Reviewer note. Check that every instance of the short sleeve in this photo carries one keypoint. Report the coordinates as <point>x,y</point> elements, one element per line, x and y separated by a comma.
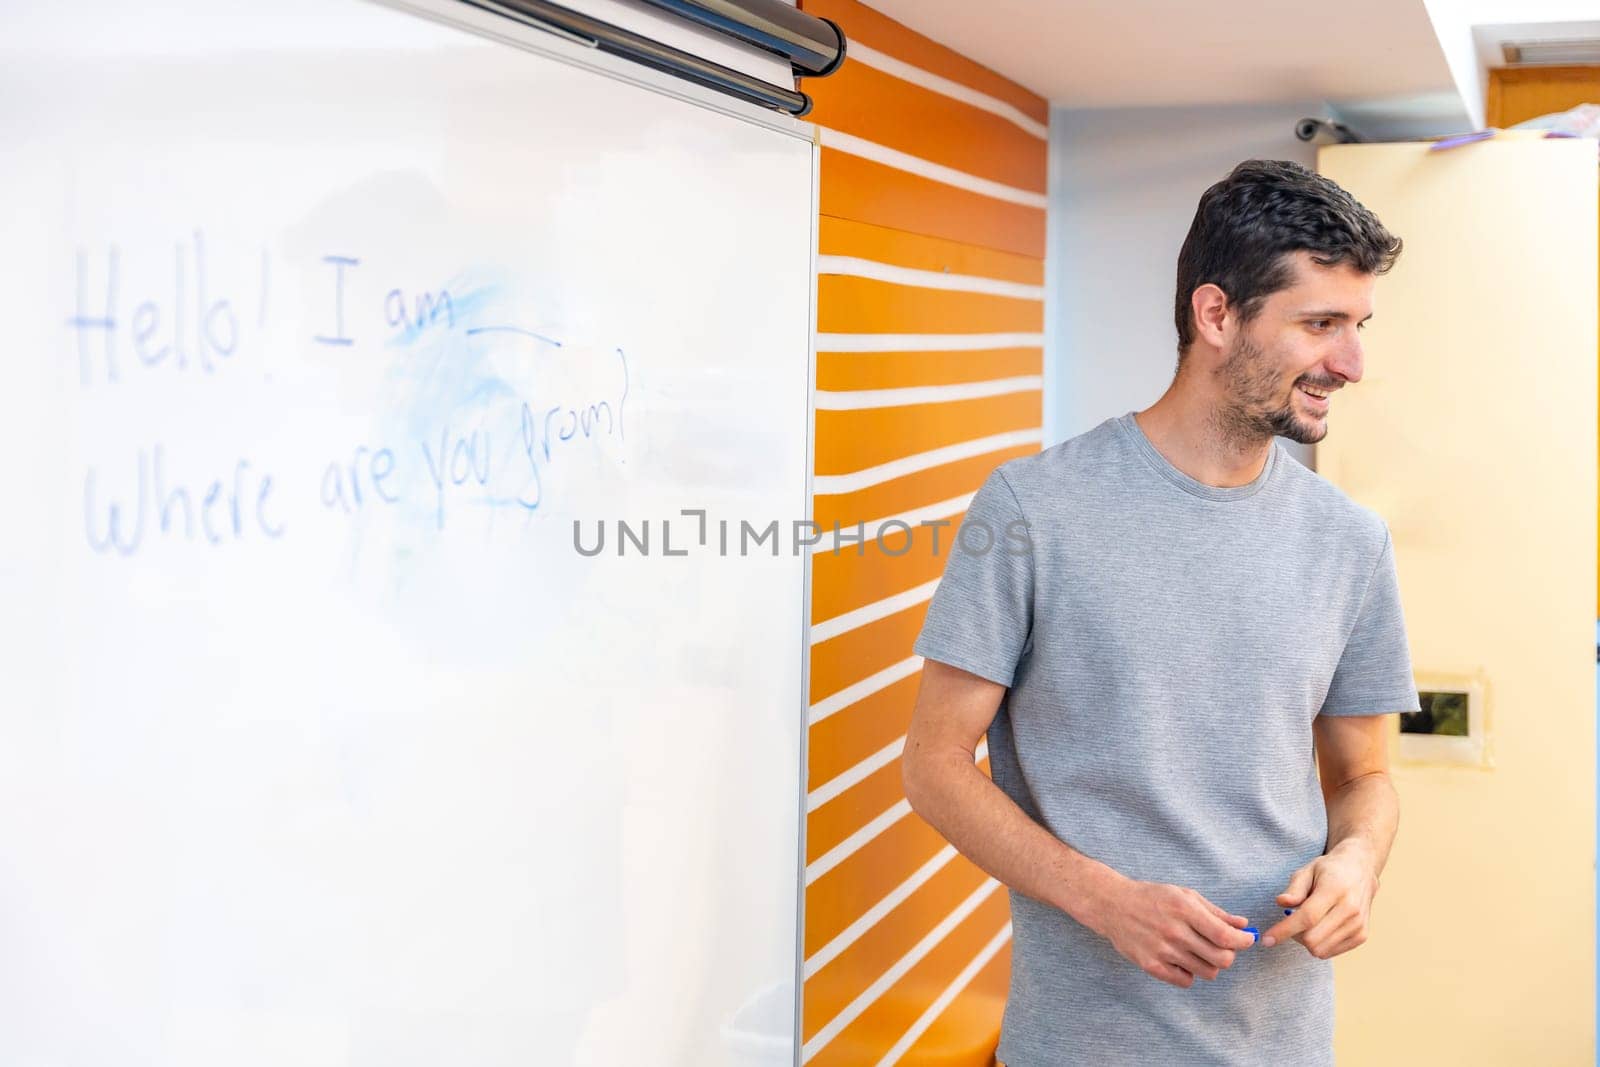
<point>981,614</point>
<point>1374,673</point>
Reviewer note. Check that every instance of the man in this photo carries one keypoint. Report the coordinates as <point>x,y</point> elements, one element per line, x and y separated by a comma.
<point>1164,625</point>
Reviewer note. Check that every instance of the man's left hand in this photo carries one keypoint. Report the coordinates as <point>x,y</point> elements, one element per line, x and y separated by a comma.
<point>1333,897</point>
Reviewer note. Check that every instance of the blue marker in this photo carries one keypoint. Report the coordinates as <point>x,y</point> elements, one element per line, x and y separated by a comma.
<point>1256,934</point>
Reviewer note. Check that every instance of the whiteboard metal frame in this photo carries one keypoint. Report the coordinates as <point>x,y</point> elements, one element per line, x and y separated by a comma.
<point>553,45</point>
<point>805,604</point>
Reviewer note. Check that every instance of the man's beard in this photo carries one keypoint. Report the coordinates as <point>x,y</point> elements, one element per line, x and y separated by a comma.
<point>1253,411</point>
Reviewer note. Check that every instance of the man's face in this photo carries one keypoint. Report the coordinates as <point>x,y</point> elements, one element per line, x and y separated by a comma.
<point>1303,345</point>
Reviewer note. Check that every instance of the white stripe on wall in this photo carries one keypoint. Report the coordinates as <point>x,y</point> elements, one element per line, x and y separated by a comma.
<point>918,952</point>
<point>856,841</point>
<point>870,918</point>
<point>861,399</point>
<point>899,68</point>
<point>946,87</point>
<point>855,267</point>
<point>872,529</point>
<point>863,689</point>
<point>878,609</point>
<point>832,484</point>
<point>862,837</point>
<point>925,342</point>
<point>944,999</point>
<point>860,772</point>
<point>926,168</point>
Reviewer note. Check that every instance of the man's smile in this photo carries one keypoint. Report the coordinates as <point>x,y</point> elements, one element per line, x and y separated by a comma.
<point>1316,396</point>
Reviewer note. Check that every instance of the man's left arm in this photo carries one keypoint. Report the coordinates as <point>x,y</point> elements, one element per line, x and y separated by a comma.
<point>1333,893</point>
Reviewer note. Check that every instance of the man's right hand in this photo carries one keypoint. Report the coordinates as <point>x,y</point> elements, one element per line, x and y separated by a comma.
<point>1170,932</point>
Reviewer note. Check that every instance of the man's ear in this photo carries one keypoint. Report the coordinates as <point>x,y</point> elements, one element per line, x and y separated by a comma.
<point>1212,315</point>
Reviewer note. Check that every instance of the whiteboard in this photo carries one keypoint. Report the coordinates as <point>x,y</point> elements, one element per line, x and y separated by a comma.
<point>320,740</point>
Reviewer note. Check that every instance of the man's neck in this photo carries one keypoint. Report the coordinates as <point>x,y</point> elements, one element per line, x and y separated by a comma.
<point>1187,431</point>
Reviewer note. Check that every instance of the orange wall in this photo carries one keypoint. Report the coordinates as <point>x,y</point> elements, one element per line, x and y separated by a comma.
<point>931,278</point>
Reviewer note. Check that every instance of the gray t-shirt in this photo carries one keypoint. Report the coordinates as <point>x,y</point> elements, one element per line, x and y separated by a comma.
<point>1166,645</point>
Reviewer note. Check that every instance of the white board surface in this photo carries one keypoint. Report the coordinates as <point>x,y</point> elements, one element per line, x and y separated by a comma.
<point>320,743</point>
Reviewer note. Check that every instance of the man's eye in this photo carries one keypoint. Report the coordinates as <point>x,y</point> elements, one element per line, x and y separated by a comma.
<point>1321,324</point>
<point>1361,326</point>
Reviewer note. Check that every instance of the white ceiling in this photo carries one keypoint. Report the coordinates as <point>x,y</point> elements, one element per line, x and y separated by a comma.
<point>1129,53</point>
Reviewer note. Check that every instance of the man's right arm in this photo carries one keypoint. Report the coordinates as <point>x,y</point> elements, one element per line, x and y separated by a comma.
<point>1170,932</point>
<point>946,788</point>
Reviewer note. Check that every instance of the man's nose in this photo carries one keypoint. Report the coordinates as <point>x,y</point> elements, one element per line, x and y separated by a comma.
<point>1348,361</point>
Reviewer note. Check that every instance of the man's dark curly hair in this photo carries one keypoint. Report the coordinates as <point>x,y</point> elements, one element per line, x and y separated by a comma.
<point>1247,224</point>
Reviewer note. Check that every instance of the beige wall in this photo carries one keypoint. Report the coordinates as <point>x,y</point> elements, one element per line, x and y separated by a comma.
<point>1473,433</point>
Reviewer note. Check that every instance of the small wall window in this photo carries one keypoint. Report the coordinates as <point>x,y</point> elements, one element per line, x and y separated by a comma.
<point>1443,714</point>
<point>1451,728</point>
